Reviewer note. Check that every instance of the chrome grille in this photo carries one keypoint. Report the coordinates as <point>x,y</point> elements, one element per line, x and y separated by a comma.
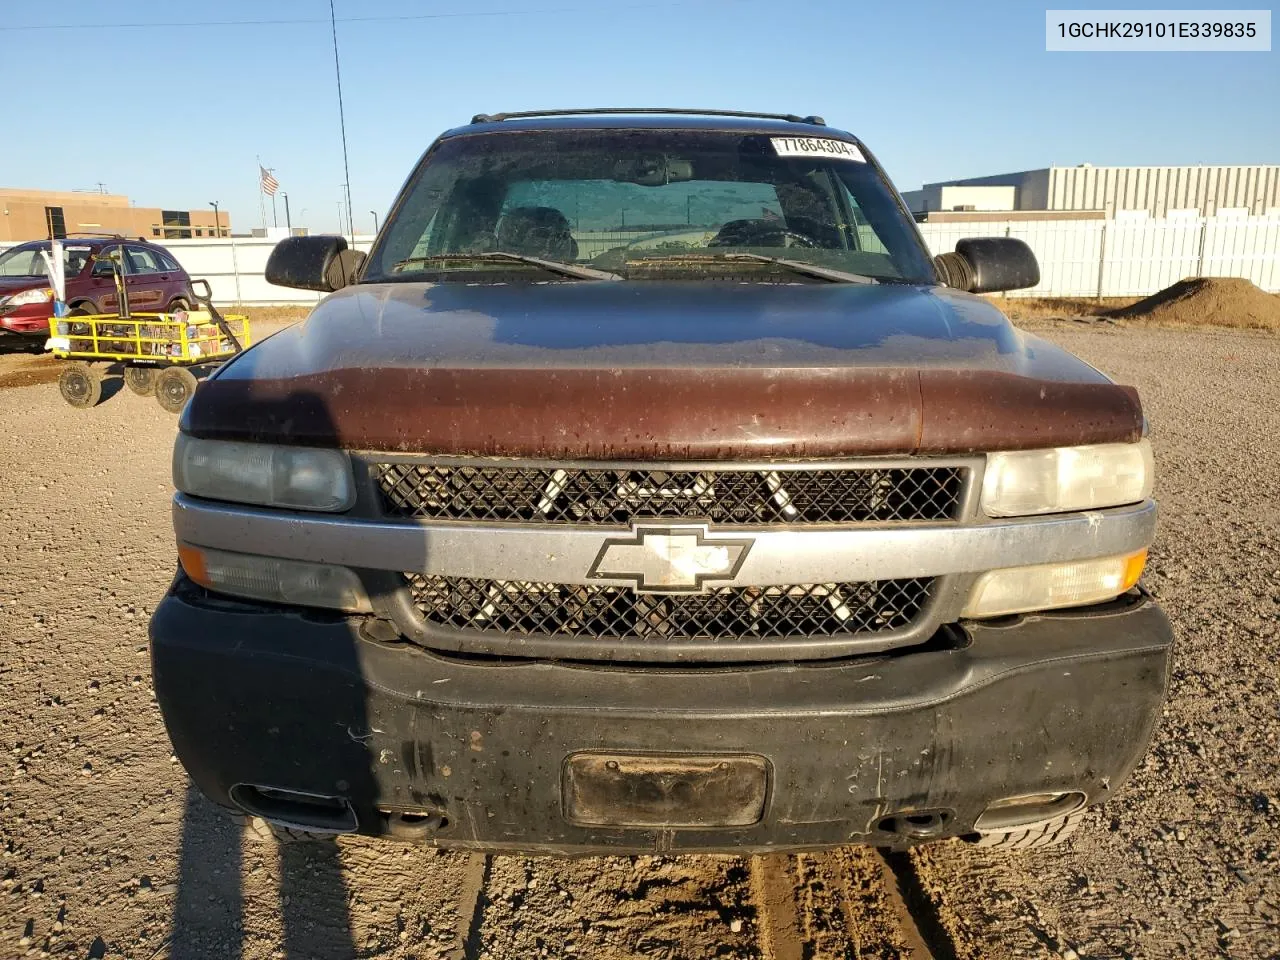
<point>619,496</point>
<point>524,608</point>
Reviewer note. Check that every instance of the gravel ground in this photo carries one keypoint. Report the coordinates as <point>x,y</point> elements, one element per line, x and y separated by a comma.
<point>106,852</point>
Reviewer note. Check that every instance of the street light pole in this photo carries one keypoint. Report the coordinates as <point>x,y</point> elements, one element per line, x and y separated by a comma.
<point>375,221</point>
<point>288,222</point>
<point>217,226</point>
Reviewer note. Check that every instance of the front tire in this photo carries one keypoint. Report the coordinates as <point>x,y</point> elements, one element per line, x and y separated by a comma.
<point>174,387</point>
<point>80,385</point>
<point>1037,836</point>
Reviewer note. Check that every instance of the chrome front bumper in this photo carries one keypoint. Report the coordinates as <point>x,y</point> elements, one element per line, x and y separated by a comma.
<point>381,551</point>
<point>566,554</point>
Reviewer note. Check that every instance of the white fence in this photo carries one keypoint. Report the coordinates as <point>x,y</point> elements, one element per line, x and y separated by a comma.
<point>1132,256</point>
<point>1124,257</point>
<point>235,269</point>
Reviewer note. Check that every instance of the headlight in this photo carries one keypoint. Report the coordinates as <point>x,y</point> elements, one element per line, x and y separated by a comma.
<point>1052,585</point>
<point>299,478</point>
<point>1025,482</point>
<point>274,579</point>
<point>27,297</point>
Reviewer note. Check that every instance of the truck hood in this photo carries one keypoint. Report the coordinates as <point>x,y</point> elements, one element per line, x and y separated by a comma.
<point>661,370</point>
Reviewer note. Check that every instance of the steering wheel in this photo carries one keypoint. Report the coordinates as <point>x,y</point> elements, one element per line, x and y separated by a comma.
<point>761,233</point>
<point>794,238</point>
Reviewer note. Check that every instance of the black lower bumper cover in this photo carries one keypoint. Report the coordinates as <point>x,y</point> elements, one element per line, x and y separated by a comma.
<point>256,697</point>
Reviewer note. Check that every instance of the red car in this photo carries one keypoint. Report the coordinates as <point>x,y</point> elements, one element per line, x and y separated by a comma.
<point>154,280</point>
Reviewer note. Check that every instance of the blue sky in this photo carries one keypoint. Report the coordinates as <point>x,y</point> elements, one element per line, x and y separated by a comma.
<point>937,90</point>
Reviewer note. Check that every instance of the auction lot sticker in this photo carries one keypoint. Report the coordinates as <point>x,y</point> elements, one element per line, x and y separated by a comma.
<point>817,147</point>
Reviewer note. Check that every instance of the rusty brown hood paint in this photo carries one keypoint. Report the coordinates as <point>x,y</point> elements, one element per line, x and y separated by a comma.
<point>661,370</point>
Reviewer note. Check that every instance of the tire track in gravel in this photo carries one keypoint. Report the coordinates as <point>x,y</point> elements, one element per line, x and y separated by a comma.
<point>773,886</point>
<point>917,912</point>
<point>676,907</point>
<point>472,900</point>
<point>838,904</point>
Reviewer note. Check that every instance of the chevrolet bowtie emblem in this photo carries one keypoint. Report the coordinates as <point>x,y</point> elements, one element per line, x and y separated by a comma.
<point>669,559</point>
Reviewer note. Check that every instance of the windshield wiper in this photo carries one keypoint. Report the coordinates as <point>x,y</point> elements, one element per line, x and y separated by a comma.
<point>796,266</point>
<point>551,266</point>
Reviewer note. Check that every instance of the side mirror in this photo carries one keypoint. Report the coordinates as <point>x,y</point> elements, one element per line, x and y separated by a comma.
<point>314,263</point>
<point>989,265</point>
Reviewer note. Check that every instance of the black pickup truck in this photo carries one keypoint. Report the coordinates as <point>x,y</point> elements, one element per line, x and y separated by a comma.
<point>650,487</point>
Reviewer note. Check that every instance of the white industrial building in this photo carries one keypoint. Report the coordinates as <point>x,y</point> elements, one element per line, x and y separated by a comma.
<point>1159,191</point>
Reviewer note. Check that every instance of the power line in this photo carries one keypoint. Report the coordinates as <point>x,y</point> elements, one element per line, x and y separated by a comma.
<point>317,20</point>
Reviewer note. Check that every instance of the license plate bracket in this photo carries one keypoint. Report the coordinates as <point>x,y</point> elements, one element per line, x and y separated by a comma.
<point>668,791</point>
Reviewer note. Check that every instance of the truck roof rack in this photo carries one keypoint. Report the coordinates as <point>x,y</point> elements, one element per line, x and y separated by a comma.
<point>789,117</point>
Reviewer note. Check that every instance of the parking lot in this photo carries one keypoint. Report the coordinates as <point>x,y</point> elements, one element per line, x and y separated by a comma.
<point>107,853</point>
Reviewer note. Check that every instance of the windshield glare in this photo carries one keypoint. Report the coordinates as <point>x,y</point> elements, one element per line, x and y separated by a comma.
<point>647,204</point>
<point>27,262</point>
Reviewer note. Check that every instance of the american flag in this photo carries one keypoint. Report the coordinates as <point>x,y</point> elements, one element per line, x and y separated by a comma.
<point>268,182</point>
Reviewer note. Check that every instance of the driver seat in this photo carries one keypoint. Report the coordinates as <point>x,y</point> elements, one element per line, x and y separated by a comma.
<point>537,232</point>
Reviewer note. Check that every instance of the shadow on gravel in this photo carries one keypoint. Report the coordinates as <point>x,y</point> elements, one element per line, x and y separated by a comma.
<point>284,706</point>
<point>208,916</point>
<point>111,385</point>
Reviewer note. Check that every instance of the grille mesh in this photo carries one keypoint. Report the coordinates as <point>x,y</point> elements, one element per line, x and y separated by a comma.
<point>519,607</point>
<point>618,496</point>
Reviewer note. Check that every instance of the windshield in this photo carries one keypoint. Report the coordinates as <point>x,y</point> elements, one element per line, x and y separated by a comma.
<point>27,262</point>
<point>648,204</point>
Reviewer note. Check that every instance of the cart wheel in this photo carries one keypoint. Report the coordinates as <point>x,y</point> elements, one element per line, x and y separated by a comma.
<point>174,388</point>
<point>141,380</point>
<point>80,385</point>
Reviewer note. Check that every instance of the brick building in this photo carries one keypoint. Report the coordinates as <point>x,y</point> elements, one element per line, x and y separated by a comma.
<point>40,214</point>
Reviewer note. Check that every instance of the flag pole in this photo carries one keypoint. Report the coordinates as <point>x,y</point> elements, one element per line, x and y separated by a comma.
<point>262,207</point>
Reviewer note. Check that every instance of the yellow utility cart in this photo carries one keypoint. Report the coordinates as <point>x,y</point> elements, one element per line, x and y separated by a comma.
<point>160,351</point>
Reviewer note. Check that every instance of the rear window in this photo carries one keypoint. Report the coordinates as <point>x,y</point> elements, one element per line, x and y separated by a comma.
<point>622,200</point>
<point>166,262</point>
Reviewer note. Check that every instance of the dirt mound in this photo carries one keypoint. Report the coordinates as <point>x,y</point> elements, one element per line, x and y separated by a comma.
<point>23,371</point>
<point>1208,301</point>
